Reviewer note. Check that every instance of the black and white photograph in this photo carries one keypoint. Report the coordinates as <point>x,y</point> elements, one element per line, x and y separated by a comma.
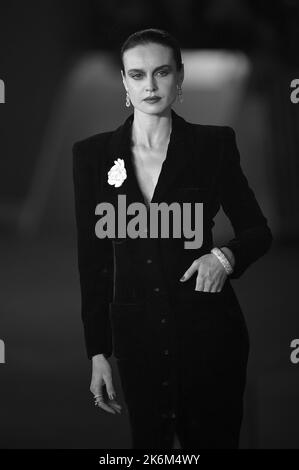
<point>149,227</point>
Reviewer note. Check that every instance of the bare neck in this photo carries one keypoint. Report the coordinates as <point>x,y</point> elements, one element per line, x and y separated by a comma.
<point>151,131</point>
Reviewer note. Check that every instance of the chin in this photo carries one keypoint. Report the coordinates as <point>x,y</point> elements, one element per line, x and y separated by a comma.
<point>158,108</point>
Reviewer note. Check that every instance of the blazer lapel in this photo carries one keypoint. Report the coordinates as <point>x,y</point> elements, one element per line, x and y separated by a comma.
<point>183,147</point>
<point>120,147</point>
<point>177,158</point>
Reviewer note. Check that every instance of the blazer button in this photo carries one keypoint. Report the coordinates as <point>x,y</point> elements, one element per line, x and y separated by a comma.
<point>149,261</point>
<point>157,289</point>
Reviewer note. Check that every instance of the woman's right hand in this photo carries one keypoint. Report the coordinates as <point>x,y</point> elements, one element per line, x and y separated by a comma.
<point>101,377</point>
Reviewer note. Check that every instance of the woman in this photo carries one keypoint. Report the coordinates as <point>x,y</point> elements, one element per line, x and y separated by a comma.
<point>167,311</point>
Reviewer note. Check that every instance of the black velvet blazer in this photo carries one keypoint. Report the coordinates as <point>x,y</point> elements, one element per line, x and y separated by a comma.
<point>121,278</point>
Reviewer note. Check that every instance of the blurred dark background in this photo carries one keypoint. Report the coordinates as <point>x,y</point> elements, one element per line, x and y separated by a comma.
<point>59,63</point>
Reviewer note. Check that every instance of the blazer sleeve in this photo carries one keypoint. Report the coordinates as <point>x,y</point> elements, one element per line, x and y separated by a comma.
<point>253,236</point>
<point>95,258</point>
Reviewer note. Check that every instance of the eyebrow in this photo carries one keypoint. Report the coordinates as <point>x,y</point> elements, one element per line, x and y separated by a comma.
<point>157,68</point>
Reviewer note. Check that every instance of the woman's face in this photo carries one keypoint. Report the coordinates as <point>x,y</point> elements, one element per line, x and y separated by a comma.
<point>150,70</point>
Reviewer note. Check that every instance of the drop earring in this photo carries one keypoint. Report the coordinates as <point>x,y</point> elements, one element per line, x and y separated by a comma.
<point>180,94</point>
<point>128,103</point>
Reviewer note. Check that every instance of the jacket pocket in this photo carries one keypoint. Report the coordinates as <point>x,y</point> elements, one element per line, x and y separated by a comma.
<point>216,299</point>
<point>227,310</point>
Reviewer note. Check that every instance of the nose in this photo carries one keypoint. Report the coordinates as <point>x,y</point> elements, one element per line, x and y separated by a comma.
<point>151,84</point>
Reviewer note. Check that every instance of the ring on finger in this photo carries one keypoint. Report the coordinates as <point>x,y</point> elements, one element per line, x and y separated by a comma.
<point>99,402</point>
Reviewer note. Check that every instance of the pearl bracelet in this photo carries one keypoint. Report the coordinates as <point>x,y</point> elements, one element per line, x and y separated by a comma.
<point>223,260</point>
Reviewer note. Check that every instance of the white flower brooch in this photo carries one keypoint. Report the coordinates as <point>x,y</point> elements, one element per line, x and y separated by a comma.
<point>117,174</point>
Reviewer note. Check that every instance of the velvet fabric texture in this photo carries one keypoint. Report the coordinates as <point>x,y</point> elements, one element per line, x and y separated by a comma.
<point>182,354</point>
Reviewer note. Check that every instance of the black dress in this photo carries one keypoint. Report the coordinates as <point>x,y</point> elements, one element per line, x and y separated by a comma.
<point>181,354</point>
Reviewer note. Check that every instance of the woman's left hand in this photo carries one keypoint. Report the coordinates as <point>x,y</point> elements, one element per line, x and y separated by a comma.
<point>211,274</point>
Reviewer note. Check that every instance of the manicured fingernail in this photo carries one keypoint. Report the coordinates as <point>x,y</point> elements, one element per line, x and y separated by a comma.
<point>182,278</point>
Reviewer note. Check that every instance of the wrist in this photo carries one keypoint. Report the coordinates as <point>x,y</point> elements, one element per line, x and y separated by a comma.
<point>223,260</point>
<point>98,357</point>
<point>229,255</point>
